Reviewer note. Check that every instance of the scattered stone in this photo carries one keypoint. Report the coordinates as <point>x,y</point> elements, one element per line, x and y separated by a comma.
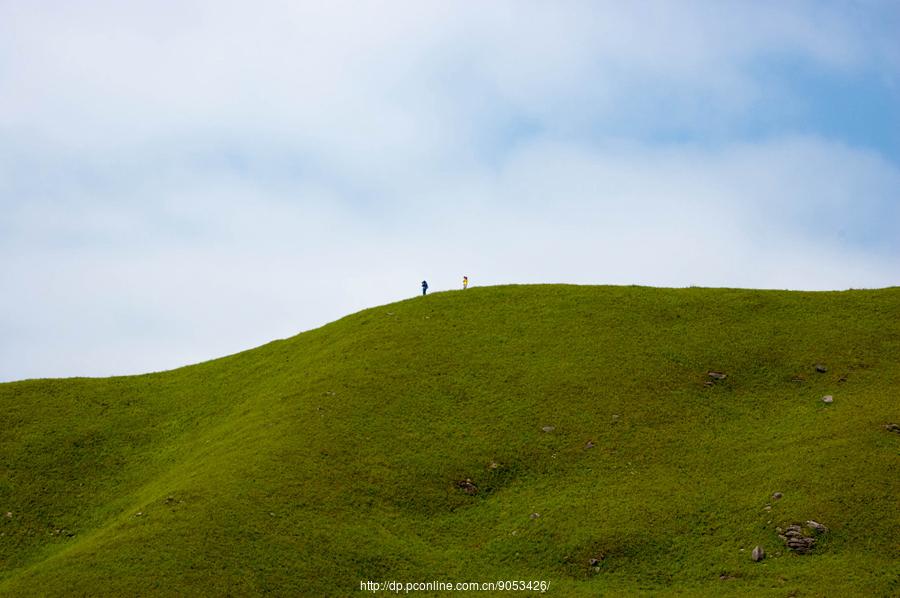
<point>821,368</point>
<point>767,508</point>
<point>777,496</point>
<point>493,465</point>
<point>271,514</point>
<point>468,486</point>
<point>548,429</point>
<point>716,375</point>
<point>801,544</point>
<point>709,384</point>
<point>778,530</point>
<point>589,444</point>
<point>140,514</point>
<point>828,399</point>
<point>615,417</point>
<point>818,527</point>
<point>797,540</point>
<point>9,514</point>
<point>596,560</point>
<point>758,554</point>
<point>535,515</point>
<point>889,427</point>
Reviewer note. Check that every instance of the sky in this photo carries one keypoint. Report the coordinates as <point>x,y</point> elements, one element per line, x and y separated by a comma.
<point>184,180</point>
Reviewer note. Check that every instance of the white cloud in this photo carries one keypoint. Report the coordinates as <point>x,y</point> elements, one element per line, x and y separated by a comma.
<point>183,181</point>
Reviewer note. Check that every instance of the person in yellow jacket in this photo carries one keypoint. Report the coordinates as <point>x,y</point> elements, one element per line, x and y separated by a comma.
<point>465,282</point>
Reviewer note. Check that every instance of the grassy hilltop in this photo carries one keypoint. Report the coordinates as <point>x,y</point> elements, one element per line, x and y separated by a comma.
<point>581,416</point>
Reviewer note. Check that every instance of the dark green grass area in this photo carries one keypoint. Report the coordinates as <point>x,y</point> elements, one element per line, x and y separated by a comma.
<point>311,464</point>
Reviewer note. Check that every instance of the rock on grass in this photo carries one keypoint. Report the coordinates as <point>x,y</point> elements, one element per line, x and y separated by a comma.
<point>468,486</point>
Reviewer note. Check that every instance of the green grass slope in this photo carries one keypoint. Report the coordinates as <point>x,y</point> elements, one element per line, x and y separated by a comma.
<point>311,464</point>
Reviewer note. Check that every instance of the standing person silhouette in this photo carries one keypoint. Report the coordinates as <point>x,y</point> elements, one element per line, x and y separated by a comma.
<point>465,282</point>
<point>424,287</point>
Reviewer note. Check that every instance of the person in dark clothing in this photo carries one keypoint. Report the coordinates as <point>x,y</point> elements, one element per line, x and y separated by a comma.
<point>424,287</point>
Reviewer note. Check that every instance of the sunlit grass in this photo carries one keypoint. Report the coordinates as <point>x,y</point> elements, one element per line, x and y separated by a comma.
<point>310,464</point>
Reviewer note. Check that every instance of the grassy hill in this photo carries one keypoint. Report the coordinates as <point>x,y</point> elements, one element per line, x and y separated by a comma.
<point>600,455</point>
